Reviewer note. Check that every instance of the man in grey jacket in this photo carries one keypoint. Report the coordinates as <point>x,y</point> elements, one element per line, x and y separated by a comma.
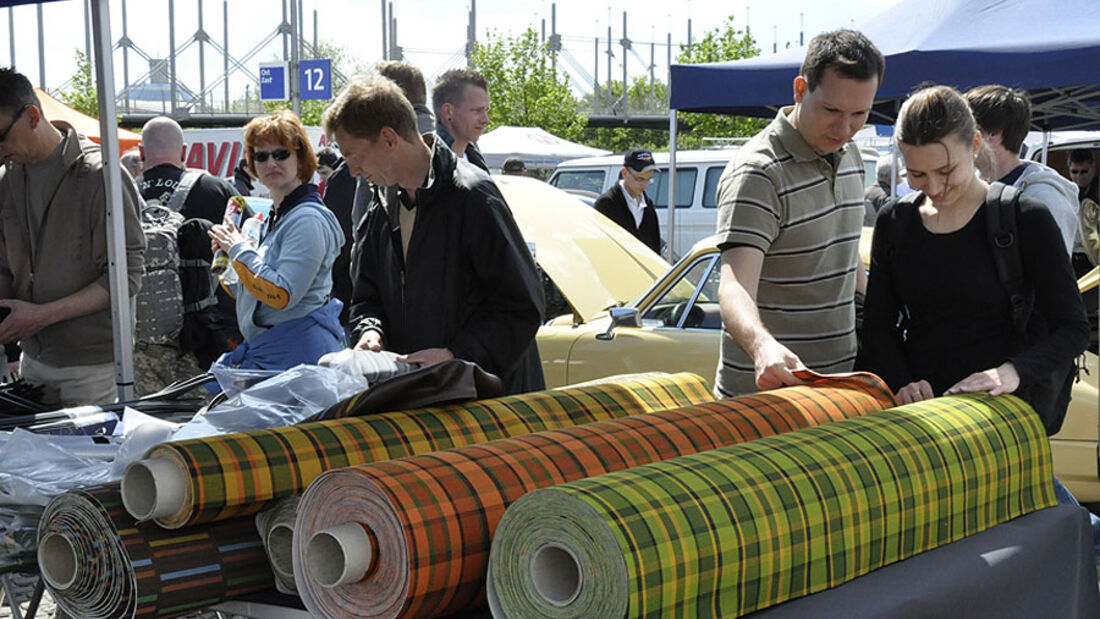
<point>1003,117</point>
<point>53,250</point>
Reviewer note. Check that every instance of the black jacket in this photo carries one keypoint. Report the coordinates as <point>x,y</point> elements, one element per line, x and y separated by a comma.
<point>612,204</point>
<point>469,284</point>
<point>473,153</point>
<point>339,194</point>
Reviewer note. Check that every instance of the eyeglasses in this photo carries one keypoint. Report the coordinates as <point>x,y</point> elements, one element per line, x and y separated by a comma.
<point>1079,171</point>
<point>260,156</point>
<point>15,119</point>
<point>641,179</point>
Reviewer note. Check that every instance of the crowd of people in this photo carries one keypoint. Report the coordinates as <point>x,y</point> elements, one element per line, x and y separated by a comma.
<point>407,245</point>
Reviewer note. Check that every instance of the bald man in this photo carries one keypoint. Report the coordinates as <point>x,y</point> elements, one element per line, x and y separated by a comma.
<point>163,151</point>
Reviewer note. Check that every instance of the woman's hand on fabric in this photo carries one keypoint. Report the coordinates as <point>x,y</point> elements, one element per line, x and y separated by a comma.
<point>997,381</point>
<point>225,235</point>
<point>915,392</point>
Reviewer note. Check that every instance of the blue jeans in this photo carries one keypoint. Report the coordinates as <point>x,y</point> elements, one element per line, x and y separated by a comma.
<point>1065,497</point>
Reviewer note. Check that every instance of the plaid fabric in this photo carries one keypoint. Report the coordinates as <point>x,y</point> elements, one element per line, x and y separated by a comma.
<point>125,569</point>
<point>434,514</point>
<point>734,530</point>
<point>236,474</point>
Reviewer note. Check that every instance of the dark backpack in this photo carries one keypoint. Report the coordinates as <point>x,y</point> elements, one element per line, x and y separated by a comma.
<point>1049,395</point>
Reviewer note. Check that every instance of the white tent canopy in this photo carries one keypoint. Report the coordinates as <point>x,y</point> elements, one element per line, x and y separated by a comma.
<point>537,148</point>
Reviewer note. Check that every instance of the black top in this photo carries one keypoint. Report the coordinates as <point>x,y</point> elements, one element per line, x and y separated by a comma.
<point>473,153</point>
<point>612,204</point>
<point>339,193</point>
<point>206,200</point>
<point>957,314</point>
<point>469,282</point>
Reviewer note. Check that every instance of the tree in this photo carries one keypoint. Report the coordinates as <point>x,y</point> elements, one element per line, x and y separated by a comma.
<point>81,94</point>
<point>721,44</point>
<point>526,87</point>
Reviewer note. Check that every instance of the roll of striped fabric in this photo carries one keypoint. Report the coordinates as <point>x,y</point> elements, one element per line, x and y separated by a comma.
<point>420,527</point>
<point>204,480</point>
<point>98,563</point>
<point>730,531</point>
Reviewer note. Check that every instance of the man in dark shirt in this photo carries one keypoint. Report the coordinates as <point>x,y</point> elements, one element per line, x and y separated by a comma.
<point>208,331</point>
<point>626,203</point>
<point>461,102</point>
<point>442,270</point>
<point>163,152</point>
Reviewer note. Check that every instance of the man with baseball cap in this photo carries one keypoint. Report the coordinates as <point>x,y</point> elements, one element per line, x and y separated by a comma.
<point>626,204</point>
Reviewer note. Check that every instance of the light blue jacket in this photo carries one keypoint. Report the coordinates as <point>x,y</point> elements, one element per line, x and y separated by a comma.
<point>292,267</point>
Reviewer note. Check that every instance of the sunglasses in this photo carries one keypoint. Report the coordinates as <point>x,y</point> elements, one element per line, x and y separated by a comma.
<point>15,119</point>
<point>1075,172</point>
<point>260,156</point>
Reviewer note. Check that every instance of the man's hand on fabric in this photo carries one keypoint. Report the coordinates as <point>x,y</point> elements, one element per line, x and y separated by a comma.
<point>775,364</point>
<point>24,321</point>
<point>428,356</point>
<point>370,340</point>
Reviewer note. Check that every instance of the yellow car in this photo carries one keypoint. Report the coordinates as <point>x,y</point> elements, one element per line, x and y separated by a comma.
<point>632,312</point>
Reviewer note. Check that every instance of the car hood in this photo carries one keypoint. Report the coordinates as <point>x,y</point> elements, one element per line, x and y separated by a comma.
<point>595,263</point>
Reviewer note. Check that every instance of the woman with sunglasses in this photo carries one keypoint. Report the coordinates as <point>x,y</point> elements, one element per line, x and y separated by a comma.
<point>284,283</point>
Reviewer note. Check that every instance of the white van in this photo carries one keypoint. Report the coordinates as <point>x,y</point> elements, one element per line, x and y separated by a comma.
<point>697,177</point>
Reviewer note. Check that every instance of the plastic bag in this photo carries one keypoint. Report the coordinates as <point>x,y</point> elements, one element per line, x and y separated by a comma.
<point>372,365</point>
<point>18,533</point>
<point>288,398</point>
<point>52,470</point>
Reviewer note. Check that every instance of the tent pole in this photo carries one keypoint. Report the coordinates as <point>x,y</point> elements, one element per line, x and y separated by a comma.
<point>672,185</point>
<point>1046,145</point>
<point>112,189</point>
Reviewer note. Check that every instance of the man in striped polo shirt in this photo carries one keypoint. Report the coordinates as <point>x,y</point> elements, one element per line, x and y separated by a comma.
<point>790,213</point>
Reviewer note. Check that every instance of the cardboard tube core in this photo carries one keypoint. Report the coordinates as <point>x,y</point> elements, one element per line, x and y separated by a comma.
<point>153,489</point>
<point>280,549</point>
<point>556,574</point>
<point>340,555</point>
<point>57,561</point>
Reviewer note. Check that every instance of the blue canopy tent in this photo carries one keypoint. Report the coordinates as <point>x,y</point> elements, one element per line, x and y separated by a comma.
<point>116,236</point>
<point>1051,48</point>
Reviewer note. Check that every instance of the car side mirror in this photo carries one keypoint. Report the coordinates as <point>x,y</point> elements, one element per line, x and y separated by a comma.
<point>621,317</point>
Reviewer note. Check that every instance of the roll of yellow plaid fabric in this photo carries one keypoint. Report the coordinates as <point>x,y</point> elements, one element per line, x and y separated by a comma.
<point>203,480</point>
<point>410,537</point>
<point>734,530</point>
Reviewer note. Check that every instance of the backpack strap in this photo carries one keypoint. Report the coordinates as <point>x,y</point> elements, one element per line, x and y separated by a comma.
<point>1002,207</point>
<point>183,189</point>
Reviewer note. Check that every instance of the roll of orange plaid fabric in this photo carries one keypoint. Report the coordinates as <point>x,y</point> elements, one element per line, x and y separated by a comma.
<point>203,480</point>
<point>410,537</point>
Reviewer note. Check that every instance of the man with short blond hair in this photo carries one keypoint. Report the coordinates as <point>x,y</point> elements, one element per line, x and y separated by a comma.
<point>461,103</point>
<point>441,269</point>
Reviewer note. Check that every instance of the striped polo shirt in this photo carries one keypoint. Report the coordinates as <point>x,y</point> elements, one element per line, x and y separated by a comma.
<point>805,213</point>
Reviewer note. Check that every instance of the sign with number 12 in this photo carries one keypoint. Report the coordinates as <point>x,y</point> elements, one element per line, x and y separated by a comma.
<point>315,78</point>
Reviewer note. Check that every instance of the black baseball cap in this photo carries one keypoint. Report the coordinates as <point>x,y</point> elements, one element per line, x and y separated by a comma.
<point>514,164</point>
<point>639,160</point>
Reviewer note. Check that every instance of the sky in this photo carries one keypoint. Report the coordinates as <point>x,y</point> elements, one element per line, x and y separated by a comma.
<point>432,32</point>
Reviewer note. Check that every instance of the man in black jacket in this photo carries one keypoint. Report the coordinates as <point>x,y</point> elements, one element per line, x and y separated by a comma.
<point>626,204</point>
<point>442,270</point>
<point>460,100</point>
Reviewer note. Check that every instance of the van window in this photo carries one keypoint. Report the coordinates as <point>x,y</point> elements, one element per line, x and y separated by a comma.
<point>710,186</point>
<point>588,180</point>
<point>685,187</point>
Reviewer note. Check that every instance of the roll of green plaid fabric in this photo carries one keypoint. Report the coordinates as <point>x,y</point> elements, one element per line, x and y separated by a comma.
<point>203,480</point>
<point>98,563</point>
<point>734,530</point>
<point>410,537</point>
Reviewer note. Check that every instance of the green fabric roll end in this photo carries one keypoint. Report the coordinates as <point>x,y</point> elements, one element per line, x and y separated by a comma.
<point>731,531</point>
